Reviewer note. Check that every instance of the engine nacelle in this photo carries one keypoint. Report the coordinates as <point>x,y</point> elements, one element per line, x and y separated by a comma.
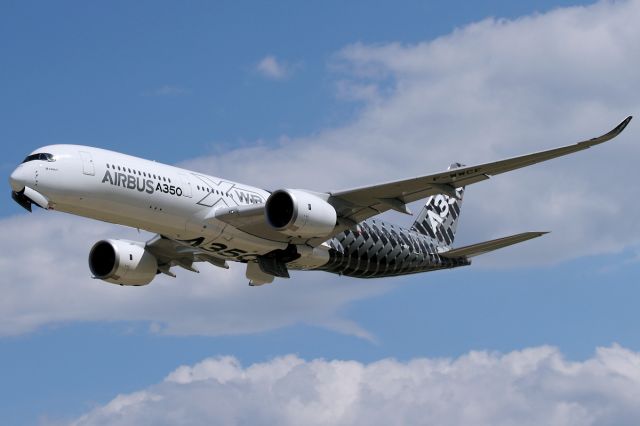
<point>122,262</point>
<point>299,213</point>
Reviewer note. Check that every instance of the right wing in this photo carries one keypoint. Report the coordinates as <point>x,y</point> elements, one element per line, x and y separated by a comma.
<point>361,203</point>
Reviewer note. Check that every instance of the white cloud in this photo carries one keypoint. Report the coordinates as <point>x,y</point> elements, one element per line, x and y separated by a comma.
<point>272,68</point>
<point>46,280</point>
<point>530,387</point>
<point>491,90</point>
<point>350,91</point>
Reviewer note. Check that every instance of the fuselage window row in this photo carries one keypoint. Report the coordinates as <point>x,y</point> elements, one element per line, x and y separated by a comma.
<point>213,191</point>
<point>126,169</point>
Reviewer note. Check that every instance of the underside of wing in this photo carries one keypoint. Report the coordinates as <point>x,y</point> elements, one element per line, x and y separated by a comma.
<point>171,253</point>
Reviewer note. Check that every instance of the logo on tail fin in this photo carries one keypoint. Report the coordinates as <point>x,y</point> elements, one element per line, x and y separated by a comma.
<point>439,210</point>
<point>439,217</point>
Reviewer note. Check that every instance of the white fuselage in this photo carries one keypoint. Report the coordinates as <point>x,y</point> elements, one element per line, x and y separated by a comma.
<point>167,200</point>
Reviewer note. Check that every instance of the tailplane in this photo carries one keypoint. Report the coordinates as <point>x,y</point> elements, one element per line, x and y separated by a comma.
<point>487,246</point>
<point>439,216</point>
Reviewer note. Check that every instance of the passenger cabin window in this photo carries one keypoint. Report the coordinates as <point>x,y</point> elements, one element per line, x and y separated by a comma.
<point>42,156</point>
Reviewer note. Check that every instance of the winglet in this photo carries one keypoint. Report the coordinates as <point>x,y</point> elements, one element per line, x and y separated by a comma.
<point>609,135</point>
<point>620,127</point>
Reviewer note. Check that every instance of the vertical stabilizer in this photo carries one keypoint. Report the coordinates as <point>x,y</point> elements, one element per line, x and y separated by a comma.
<point>439,217</point>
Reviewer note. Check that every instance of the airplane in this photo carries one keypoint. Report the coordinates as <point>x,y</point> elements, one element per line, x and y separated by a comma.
<point>202,218</point>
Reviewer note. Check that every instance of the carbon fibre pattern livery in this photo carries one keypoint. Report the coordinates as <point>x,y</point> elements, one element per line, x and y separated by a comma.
<point>378,249</point>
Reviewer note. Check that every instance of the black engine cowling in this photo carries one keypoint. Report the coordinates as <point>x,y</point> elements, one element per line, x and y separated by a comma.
<point>299,213</point>
<point>122,262</point>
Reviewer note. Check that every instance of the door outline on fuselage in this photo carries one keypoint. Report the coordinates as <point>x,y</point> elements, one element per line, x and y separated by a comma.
<point>88,167</point>
<point>186,185</point>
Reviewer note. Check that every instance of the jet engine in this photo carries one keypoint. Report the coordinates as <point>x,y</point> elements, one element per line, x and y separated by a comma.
<point>300,213</point>
<point>122,262</point>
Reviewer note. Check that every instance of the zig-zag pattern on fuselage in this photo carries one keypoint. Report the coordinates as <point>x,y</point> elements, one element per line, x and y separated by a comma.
<point>378,249</point>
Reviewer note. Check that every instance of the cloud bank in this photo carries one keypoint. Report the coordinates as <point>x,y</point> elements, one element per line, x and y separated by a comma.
<point>46,280</point>
<point>530,387</point>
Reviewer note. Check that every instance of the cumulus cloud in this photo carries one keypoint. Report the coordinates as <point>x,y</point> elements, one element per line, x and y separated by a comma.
<point>46,280</point>
<point>530,387</point>
<point>490,90</point>
<point>272,68</point>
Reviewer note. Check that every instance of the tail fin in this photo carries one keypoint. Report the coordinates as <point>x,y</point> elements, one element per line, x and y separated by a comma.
<point>439,217</point>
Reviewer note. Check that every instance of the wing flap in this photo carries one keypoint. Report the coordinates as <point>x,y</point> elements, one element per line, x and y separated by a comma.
<point>487,246</point>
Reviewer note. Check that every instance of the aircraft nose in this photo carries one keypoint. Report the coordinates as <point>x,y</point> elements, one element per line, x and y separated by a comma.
<point>18,179</point>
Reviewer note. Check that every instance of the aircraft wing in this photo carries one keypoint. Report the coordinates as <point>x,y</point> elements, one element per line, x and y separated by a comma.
<point>361,203</point>
<point>355,205</point>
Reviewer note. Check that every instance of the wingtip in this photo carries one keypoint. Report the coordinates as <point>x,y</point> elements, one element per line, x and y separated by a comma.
<point>539,233</point>
<point>609,135</point>
<point>623,124</point>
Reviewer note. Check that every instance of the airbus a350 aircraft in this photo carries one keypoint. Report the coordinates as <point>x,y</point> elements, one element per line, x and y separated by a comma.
<point>202,218</point>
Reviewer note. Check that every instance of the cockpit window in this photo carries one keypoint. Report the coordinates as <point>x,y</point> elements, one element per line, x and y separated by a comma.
<point>42,156</point>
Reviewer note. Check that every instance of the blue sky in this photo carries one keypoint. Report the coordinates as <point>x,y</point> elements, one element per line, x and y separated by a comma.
<point>182,84</point>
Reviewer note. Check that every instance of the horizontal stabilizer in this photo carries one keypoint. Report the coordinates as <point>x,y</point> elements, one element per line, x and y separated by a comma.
<point>487,246</point>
